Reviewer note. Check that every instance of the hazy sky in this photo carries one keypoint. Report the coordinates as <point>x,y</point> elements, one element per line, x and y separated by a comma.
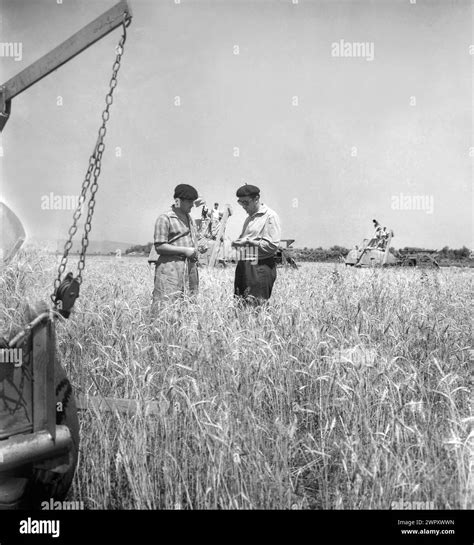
<point>332,141</point>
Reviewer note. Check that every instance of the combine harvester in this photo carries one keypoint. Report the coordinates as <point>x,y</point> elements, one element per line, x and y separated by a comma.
<point>39,428</point>
<point>375,252</point>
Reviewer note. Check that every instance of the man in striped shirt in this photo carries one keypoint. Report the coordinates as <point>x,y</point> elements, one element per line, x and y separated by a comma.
<point>175,242</point>
<point>255,273</point>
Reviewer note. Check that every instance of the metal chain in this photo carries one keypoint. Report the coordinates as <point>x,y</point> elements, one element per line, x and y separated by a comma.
<point>93,171</point>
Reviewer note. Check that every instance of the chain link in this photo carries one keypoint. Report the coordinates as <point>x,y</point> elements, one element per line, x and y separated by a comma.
<point>92,174</point>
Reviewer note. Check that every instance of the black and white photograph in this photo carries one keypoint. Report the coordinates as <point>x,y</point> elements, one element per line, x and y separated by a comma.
<point>236,271</point>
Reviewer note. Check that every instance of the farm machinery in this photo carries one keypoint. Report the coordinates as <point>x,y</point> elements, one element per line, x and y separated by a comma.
<point>39,428</point>
<point>375,252</point>
<point>285,255</point>
<point>424,259</point>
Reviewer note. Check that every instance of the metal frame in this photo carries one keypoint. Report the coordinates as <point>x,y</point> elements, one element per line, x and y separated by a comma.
<point>47,440</point>
<point>29,448</point>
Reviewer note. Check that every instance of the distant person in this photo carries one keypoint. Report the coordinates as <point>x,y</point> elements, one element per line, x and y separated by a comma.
<point>175,242</point>
<point>384,237</point>
<point>377,227</point>
<point>375,241</point>
<point>215,212</point>
<point>258,243</point>
<point>215,220</point>
<point>204,227</point>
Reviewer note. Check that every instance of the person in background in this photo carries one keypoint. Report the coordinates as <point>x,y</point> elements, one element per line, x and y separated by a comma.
<point>215,220</point>
<point>257,245</point>
<point>377,227</point>
<point>383,238</point>
<point>375,241</point>
<point>175,241</point>
<point>215,214</point>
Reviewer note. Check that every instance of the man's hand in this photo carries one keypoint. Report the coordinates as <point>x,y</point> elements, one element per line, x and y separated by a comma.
<point>239,242</point>
<point>189,252</point>
<point>243,242</point>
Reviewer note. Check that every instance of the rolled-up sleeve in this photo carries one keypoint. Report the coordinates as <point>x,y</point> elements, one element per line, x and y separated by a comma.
<point>162,227</point>
<point>271,235</point>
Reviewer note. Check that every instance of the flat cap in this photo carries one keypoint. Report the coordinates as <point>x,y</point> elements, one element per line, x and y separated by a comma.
<point>185,191</point>
<point>248,190</point>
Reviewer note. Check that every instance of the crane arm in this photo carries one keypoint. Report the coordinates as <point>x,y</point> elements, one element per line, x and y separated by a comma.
<point>78,42</point>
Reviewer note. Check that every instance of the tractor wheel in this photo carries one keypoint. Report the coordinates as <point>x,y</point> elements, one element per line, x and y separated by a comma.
<point>53,480</point>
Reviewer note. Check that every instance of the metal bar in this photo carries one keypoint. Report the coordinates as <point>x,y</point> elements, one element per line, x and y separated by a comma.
<point>44,398</point>
<point>387,249</point>
<point>88,35</point>
<point>24,449</point>
<point>39,319</point>
<point>28,328</point>
<point>367,246</point>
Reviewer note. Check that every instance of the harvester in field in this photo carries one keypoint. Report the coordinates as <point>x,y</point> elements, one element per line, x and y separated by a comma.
<point>375,252</point>
<point>39,428</point>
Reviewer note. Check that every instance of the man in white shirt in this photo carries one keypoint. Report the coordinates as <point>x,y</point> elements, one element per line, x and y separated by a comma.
<point>257,245</point>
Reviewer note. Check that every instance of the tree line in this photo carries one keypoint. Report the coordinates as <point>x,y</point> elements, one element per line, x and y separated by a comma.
<point>334,253</point>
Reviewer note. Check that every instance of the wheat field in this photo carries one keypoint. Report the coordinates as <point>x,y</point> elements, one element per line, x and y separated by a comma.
<point>350,390</point>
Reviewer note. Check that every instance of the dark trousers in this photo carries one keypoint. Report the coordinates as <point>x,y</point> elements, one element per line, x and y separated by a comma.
<point>255,282</point>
